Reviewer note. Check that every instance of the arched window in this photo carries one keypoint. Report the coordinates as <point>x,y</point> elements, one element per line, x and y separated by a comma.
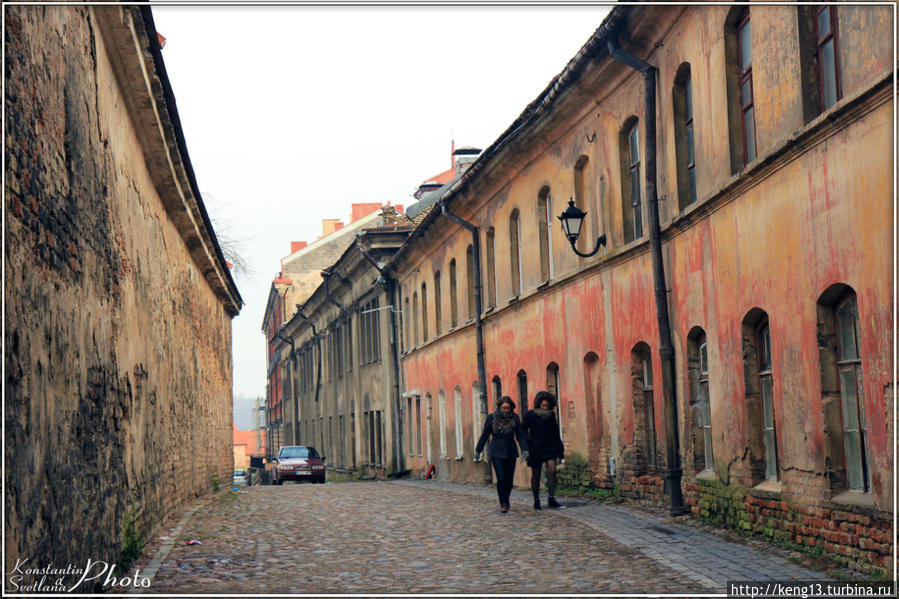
<point>515,251</point>
<point>438,300</point>
<point>632,195</point>
<point>644,407</point>
<point>457,412</point>
<point>553,386</point>
<point>491,267</point>
<point>759,384</point>
<point>497,390</point>
<point>841,383</point>
<point>469,271</point>
<point>407,327</point>
<point>441,407</point>
<point>700,403</point>
<point>424,311</point>
<point>683,136</point>
<point>544,233</point>
<point>740,95</point>
<point>476,420</point>
<point>454,307</point>
<point>522,391</point>
<point>415,336</point>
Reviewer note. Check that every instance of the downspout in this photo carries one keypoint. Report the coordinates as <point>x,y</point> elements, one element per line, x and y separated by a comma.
<point>390,291</point>
<point>293,381</point>
<point>478,324</point>
<point>666,348</point>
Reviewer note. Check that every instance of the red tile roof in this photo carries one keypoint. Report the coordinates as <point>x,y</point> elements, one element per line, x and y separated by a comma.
<point>253,440</point>
<point>443,178</point>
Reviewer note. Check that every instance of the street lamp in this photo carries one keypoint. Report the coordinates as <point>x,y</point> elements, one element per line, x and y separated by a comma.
<point>572,219</point>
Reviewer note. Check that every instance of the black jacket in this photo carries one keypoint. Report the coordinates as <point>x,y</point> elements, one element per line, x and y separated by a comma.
<point>544,442</point>
<point>503,445</point>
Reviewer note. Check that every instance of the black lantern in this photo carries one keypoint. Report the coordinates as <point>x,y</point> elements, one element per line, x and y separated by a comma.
<point>572,220</point>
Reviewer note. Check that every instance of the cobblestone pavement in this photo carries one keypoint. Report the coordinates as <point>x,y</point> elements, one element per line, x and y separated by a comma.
<point>433,537</point>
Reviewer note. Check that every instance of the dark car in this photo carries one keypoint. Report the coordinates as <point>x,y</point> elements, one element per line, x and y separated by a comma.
<point>299,462</point>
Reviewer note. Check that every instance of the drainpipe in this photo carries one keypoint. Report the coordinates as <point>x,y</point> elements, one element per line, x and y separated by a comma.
<point>478,324</point>
<point>390,292</point>
<point>293,380</point>
<point>666,348</point>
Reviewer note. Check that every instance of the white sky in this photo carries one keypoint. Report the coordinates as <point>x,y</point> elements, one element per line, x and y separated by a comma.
<point>293,113</point>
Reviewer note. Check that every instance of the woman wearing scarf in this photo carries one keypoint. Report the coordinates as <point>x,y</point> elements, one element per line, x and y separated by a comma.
<point>505,427</point>
<point>545,444</point>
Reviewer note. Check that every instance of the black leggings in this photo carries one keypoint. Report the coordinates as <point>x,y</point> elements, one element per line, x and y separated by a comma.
<point>505,472</point>
<point>550,477</point>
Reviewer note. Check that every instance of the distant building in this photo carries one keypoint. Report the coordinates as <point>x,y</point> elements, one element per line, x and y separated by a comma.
<point>300,275</point>
<point>248,445</point>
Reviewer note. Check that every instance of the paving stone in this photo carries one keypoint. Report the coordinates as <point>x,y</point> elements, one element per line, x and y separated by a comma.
<point>435,537</point>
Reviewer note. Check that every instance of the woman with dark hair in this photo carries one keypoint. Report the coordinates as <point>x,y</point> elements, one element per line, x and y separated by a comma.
<point>504,427</point>
<point>545,445</point>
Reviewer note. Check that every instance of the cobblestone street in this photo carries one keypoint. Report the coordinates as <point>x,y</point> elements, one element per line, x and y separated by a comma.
<point>433,537</point>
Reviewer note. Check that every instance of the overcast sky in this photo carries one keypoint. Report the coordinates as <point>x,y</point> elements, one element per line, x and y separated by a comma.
<point>293,113</point>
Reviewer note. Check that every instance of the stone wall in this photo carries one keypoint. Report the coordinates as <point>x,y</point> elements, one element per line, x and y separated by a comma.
<point>118,350</point>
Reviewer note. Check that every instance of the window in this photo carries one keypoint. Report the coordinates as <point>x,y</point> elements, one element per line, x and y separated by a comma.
<point>740,91</point>
<point>759,385</point>
<point>497,390</point>
<point>408,335</point>
<point>552,385</point>
<point>454,308</point>
<point>491,267</point>
<point>424,311</point>
<point>457,412</point>
<point>438,300</point>
<point>515,252</point>
<point>476,422</point>
<point>700,402</point>
<point>644,408</point>
<point>842,388</point>
<point>705,405</point>
<point>441,406</point>
<point>632,199</point>
<point>522,390</point>
<point>746,93</point>
<point>683,136</point>
<point>544,230</point>
<point>415,336</point>
<point>469,268</point>
<point>827,55</point>
<point>767,385</point>
<point>410,425</point>
<point>418,442</point>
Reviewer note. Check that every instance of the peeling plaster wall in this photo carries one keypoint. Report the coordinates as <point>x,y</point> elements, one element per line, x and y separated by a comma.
<point>814,210</point>
<point>118,352</point>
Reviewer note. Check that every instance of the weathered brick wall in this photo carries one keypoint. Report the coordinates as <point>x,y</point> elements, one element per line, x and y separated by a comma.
<point>118,353</point>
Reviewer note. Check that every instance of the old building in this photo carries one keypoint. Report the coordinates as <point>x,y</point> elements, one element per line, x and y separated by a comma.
<point>766,137</point>
<point>118,298</point>
<point>340,357</point>
<point>299,276</point>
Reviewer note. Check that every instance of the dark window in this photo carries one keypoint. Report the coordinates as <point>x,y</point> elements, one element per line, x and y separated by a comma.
<point>469,267</point>
<point>438,300</point>
<point>424,312</point>
<point>454,307</point>
<point>828,58</point>
<point>683,134</point>
<point>633,139</point>
<point>747,106</point>
<point>766,385</point>
<point>515,252</point>
<point>491,267</point>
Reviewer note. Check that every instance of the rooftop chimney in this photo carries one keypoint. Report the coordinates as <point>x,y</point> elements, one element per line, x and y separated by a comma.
<point>465,157</point>
<point>296,246</point>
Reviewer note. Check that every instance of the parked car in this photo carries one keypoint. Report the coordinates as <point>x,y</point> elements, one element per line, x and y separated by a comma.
<point>299,462</point>
<point>241,478</point>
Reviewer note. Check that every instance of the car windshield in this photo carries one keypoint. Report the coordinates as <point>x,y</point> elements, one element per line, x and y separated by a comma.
<point>240,473</point>
<point>298,452</point>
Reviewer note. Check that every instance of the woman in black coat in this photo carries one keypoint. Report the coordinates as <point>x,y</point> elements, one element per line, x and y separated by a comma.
<point>504,427</point>
<point>545,445</point>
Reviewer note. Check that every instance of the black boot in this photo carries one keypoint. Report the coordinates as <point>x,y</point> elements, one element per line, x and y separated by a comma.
<point>553,503</point>
<point>537,503</point>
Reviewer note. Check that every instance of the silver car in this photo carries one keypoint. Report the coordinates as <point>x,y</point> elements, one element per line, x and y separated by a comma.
<point>241,478</point>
